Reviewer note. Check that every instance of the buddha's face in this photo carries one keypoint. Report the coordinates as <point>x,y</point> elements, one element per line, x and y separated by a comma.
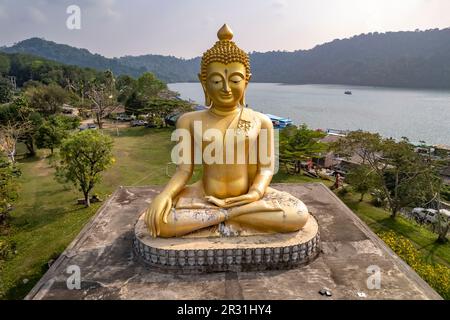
<point>225,84</point>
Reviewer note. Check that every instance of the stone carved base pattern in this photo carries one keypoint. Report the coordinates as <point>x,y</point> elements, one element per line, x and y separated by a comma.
<point>253,253</point>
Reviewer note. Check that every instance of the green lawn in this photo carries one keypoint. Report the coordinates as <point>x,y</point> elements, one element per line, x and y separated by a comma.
<point>46,218</point>
<point>379,220</point>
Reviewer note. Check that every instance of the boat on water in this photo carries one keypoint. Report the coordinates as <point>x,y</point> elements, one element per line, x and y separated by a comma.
<point>348,92</point>
<point>337,132</point>
<point>200,107</point>
<point>279,122</point>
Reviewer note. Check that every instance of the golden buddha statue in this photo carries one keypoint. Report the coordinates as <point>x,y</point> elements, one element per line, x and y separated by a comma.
<point>233,197</point>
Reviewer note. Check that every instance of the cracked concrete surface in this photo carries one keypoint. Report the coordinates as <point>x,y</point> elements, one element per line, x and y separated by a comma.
<point>109,269</point>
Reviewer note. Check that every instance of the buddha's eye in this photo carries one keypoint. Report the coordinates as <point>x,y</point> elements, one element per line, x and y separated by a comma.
<point>216,80</point>
<point>236,79</point>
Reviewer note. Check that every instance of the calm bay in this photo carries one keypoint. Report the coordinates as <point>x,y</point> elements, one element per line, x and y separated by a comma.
<point>420,115</point>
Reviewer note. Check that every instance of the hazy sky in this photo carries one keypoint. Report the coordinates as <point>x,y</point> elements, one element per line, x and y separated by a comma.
<point>185,28</point>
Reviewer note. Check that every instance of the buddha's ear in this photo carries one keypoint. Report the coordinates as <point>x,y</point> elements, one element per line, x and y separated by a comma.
<point>242,101</point>
<point>207,98</point>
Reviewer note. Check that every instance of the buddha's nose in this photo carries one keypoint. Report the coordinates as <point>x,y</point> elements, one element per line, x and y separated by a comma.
<point>226,87</point>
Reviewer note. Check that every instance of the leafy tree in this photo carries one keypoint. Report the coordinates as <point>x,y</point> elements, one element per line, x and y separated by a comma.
<point>125,86</point>
<point>408,177</point>
<point>299,144</point>
<point>19,113</point>
<point>5,64</point>
<point>158,109</point>
<point>31,84</point>
<point>145,93</point>
<point>10,133</point>
<point>442,225</point>
<point>54,130</point>
<point>6,90</point>
<point>103,96</point>
<point>362,179</point>
<point>445,193</point>
<point>439,191</point>
<point>135,103</point>
<point>401,175</point>
<point>47,100</point>
<point>77,82</point>
<point>8,188</point>
<point>149,86</point>
<point>84,156</point>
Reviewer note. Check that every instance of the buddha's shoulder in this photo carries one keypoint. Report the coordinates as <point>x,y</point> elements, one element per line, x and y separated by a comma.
<point>187,118</point>
<point>261,117</point>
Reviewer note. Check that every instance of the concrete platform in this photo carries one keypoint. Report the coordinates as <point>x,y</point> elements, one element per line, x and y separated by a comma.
<point>110,270</point>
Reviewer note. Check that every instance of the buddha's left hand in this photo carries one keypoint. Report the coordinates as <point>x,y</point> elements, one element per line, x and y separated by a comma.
<point>252,196</point>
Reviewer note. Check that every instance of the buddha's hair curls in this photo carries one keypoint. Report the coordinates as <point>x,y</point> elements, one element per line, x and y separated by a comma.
<point>225,51</point>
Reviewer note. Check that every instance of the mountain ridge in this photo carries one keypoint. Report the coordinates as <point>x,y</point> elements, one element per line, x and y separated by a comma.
<point>411,59</point>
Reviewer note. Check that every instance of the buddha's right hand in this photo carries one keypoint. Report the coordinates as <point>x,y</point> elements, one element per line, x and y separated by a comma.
<point>159,208</point>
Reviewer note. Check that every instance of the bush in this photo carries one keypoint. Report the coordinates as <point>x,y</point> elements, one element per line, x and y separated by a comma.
<point>158,122</point>
<point>378,199</point>
<point>445,194</point>
<point>6,249</point>
<point>343,191</point>
<point>436,275</point>
<point>8,189</point>
<point>6,90</point>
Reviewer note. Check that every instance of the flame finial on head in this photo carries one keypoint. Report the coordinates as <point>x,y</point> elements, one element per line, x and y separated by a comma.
<point>225,33</point>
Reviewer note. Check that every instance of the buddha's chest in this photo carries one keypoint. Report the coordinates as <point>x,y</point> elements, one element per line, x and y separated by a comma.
<point>226,129</point>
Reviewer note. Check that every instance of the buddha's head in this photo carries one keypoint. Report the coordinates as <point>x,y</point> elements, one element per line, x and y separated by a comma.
<point>225,72</point>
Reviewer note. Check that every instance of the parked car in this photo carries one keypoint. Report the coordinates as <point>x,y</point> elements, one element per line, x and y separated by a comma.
<point>138,123</point>
<point>123,117</point>
<point>150,125</point>
<point>418,213</point>
<point>433,215</point>
<point>429,215</point>
<point>89,126</point>
<point>171,120</point>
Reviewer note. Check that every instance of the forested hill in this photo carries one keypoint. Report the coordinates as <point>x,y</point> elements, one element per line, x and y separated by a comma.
<point>70,55</point>
<point>418,59</point>
<point>167,68</point>
<point>394,59</point>
<point>35,70</point>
